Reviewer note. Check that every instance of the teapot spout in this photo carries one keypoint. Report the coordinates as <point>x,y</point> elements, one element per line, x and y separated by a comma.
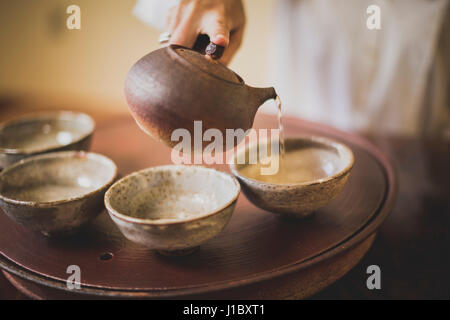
<point>260,95</point>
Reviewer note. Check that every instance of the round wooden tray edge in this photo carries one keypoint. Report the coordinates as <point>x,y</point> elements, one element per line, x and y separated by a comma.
<point>297,285</point>
<point>360,235</point>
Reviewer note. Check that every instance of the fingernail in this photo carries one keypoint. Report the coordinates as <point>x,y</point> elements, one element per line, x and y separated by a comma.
<point>220,40</point>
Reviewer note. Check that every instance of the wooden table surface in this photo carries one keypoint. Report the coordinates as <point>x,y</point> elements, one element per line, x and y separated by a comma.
<point>413,245</point>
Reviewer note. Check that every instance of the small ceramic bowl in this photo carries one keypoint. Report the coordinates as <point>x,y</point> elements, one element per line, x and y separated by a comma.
<point>44,132</point>
<point>320,174</point>
<point>172,208</point>
<point>56,193</point>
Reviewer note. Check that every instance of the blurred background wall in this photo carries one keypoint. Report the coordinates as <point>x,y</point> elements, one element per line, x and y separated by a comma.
<point>45,65</point>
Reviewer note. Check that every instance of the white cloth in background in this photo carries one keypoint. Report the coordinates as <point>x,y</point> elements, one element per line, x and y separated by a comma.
<point>329,67</point>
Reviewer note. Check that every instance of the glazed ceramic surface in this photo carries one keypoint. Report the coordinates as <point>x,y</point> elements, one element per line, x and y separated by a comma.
<point>56,193</point>
<point>172,208</point>
<point>256,256</point>
<point>44,132</point>
<point>172,87</point>
<point>316,170</point>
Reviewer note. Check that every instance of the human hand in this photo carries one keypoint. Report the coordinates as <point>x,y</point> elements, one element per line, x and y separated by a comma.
<point>222,20</point>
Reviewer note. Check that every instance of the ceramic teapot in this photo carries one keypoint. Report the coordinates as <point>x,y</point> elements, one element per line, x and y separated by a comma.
<point>174,86</point>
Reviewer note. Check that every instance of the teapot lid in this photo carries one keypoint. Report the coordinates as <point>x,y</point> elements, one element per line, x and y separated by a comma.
<point>206,64</point>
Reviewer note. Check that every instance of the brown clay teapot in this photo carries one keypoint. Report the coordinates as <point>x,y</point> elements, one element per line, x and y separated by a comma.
<point>172,87</point>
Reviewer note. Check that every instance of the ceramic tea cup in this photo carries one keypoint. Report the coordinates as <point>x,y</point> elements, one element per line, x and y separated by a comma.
<point>56,193</point>
<point>172,208</point>
<point>44,132</point>
<point>313,172</point>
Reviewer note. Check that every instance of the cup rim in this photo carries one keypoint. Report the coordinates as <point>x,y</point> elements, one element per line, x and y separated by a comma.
<point>315,138</point>
<point>55,155</point>
<point>50,115</point>
<point>158,222</point>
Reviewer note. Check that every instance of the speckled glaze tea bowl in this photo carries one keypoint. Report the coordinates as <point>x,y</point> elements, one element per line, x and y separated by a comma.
<point>172,209</point>
<point>316,170</point>
<point>56,193</point>
<point>44,132</point>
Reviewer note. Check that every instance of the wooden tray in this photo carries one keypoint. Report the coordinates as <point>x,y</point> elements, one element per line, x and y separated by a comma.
<point>257,256</point>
